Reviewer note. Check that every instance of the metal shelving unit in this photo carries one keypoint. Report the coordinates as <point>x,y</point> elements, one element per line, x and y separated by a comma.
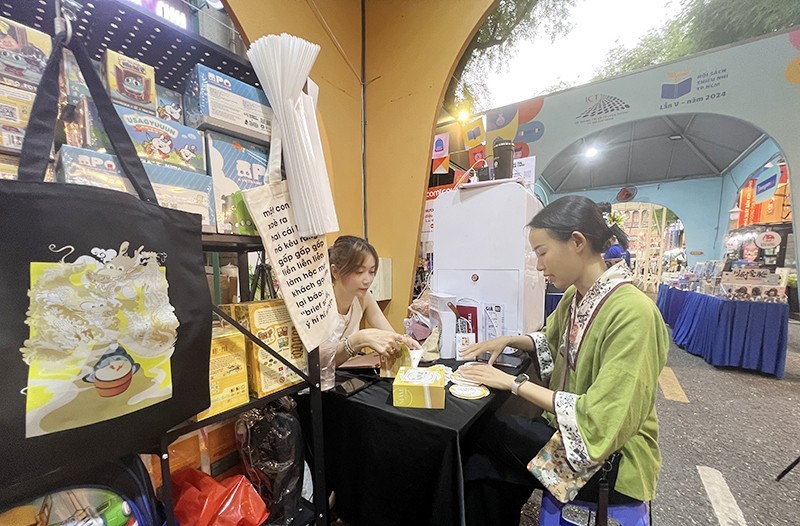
<point>135,32</point>
<point>242,245</point>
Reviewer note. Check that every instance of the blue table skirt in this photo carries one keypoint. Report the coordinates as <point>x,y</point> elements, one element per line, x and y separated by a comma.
<point>746,334</point>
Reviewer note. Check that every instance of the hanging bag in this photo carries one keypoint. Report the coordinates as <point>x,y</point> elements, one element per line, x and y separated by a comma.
<point>105,325</point>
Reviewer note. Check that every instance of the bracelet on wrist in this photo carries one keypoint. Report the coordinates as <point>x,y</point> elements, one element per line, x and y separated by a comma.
<point>348,347</point>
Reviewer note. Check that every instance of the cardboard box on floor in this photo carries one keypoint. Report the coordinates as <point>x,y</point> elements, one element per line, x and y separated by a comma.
<point>186,452</point>
<point>221,456</point>
<point>269,320</point>
<point>211,449</point>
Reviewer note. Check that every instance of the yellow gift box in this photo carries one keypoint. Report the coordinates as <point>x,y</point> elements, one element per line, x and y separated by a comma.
<point>227,372</point>
<point>419,387</point>
<point>390,365</point>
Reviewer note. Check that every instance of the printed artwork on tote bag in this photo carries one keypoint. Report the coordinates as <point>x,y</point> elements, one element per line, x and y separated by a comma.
<point>102,332</point>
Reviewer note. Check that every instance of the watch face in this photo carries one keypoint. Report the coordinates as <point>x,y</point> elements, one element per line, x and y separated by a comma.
<point>521,379</point>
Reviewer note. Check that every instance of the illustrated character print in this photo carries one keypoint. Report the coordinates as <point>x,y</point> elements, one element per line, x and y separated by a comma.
<point>132,86</point>
<point>158,147</point>
<point>13,62</point>
<point>171,112</point>
<point>188,152</point>
<point>112,375</point>
<point>102,334</point>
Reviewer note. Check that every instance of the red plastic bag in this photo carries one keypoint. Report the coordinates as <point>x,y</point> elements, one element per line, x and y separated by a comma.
<point>202,501</point>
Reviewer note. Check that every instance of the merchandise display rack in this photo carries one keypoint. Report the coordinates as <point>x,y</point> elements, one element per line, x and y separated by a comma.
<point>135,32</point>
<point>240,245</point>
<point>306,514</point>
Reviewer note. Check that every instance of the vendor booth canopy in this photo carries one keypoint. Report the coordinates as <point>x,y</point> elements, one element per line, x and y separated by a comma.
<point>656,149</point>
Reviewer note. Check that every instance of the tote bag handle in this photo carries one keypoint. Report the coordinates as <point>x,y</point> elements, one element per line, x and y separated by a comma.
<point>41,125</point>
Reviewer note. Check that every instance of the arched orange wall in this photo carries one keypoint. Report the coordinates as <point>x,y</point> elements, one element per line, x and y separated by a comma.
<point>339,107</point>
<point>412,47</point>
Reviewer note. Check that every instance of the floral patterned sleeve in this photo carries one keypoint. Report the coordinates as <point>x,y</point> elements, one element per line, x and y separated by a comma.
<point>577,449</point>
<point>543,353</point>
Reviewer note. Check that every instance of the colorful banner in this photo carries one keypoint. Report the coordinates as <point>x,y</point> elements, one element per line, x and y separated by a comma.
<point>474,133</point>
<point>748,204</point>
<point>441,154</point>
<point>778,209</point>
<point>476,154</point>
<point>767,183</point>
<point>441,146</point>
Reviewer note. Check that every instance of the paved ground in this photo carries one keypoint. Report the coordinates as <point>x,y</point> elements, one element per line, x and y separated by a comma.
<point>744,425</point>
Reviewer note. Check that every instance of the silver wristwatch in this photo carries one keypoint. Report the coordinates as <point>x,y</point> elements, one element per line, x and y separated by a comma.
<point>518,381</point>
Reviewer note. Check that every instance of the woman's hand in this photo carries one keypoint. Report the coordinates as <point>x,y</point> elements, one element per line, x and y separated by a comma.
<point>410,342</point>
<point>494,346</point>
<point>385,343</point>
<point>487,375</point>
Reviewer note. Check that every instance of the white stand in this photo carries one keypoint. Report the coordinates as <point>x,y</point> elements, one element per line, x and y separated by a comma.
<point>482,255</point>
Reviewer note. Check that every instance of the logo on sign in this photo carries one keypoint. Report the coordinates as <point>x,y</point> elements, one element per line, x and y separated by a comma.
<point>602,104</point>
<point>766,183</point>
<point>681,85</point>
<point>768,239</point>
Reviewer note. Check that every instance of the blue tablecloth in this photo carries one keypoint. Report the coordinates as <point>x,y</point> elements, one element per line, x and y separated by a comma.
<point>745,334</point>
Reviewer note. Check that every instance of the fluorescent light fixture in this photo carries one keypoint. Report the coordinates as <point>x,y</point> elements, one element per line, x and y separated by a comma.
<point>676,137</point>
<point>591,152</point>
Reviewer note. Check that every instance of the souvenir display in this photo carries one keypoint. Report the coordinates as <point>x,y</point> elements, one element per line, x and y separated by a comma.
<point>216,101</point>
<point>234,165</point>
<point>130,83</point>
<point>23,55</point>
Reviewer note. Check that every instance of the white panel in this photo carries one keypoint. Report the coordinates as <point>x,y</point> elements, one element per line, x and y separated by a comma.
<point>481,231</point>
<point>486,286</point>
<point>482,227</point>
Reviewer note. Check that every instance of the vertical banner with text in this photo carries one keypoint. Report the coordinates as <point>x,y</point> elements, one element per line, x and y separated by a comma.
<point>300,264</point>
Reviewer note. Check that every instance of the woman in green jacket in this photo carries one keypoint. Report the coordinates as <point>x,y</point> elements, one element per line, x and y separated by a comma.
<point>600,355</point>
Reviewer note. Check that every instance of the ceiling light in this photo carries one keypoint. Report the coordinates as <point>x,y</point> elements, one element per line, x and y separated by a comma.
<point>590,152</point>
<point>676,137</point>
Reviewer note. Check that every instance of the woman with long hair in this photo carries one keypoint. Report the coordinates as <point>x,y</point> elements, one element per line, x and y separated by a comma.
<point>599,357</point>
<point>354,264</point>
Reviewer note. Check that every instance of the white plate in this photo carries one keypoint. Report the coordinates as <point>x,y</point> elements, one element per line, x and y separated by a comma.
<point>469,392</point>
<point>460,380</point>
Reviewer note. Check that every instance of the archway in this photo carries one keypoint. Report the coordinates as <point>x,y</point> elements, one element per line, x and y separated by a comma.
<point>757,82</point>
<point>692,163</point>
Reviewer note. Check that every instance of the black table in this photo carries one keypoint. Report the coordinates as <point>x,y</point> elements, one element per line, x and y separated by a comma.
<point>391,465</point>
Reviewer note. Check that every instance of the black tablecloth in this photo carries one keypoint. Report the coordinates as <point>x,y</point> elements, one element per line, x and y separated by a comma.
<point>391,465</point>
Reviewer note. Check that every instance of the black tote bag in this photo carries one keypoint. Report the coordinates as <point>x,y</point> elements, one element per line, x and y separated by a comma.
<point>105,312</point>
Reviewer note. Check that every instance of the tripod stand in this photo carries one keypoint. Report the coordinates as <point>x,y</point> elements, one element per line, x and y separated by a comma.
<point>788,469</point>
<point>262,274</point>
